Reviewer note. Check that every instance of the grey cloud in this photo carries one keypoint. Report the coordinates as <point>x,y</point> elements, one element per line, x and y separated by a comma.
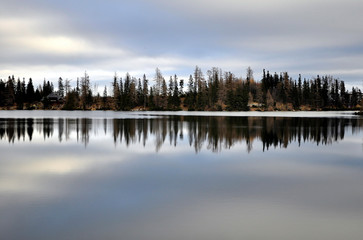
<point>299,36</point>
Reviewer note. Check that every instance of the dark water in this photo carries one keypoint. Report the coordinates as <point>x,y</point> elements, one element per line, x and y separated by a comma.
<point>149,176</point>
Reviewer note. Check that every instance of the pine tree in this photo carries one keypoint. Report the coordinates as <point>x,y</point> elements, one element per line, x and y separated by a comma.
<point>2,92</point>
<point>343,94</point>
<point>60,87</point>
<point>140,94</point>
<point>86,93</point>
<point>30,94</point>
<point>158,87</point>
<point>10,91</point>
<point>325,92</point>
<point>133,93</point>
<point>175,95</point>
<point>306,92</point>
<point>170,93</point>
<point>191,95</point>
<point>145,90</point>
<point>19,95</point>
<point>116,93</point>
<point>181,87</point>
<point>164,96</point>
<point>67,86</point>
<point>104,99</point>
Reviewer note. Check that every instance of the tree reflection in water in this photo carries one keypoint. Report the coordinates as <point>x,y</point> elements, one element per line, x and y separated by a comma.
<point>215,133</point>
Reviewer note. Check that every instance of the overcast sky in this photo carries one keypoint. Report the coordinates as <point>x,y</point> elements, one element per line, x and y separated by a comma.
<point>63,38</point>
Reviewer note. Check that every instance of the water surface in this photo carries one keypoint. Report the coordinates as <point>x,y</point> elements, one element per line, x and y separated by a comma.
<point>114,175</point>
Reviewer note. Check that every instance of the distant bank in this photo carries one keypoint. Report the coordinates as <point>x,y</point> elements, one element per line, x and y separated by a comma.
<point>215,91</point>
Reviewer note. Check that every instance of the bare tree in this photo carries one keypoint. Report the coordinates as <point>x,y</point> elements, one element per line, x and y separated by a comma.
<point>67,86</point>
<point>86,92</point>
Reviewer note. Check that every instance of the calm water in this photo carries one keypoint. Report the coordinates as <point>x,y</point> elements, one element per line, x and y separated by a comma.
<point>156,176</point>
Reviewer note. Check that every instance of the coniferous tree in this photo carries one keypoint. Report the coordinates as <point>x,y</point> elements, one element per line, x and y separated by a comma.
<point>140,94</point>
<point>72,100</point>
<point>343,94</point>
<point>30,94</point>
<point>152,99</point>
<point>67,86</point>
<point>164,96</point>
<point>23,90</point>
<point>158,87</point>
<point>104,99</point>
<point>2,92</point>
<point>190,96</point>
<point>116,93</point>
<point>175,99</point>
<point>170,93</point>
<point>133,93</point>
<point>86,92</point>
<point>325,92</point>
<point>295,96</point>
<point>77,88</point>
<point>299,90</point>
<point>60,87</point>
<point>10,92</point>
<point>354,98</point>
<point>145,90</point>
<point>306,92</point>
<point>121,101</point>
<point>19,95</point>
<point>126,100</point>
<point>181,88</point>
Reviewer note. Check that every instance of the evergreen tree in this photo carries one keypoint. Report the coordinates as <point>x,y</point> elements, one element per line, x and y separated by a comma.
<point>2,92</point>
<point>77,88</point>
<point>325,93</point>
<point>299,90</point>
<point>121,100</point>
<point>170,92</point>
<point>175,95</point>
<point>86,92</point>
<point>295,96</point>
<point>72,100</point>
<point>133,93</point>
<point>145,90</point>
<point>191,95</point>
<point>67,86</point>
<point>116,93</point>
<point>158,87</point>
<point>140,94</point>
<point>354,98</point>
<point>152,99</point>
<point>60,87</point>
<point>164,96</point>
<point>19,95</point>
<point>306,92</point>
<point>104,99</point>
<point>181,87</point>
<point>10,92</point>
<point>30,94</point>
<point>126,98</point>
<point>343,94</point>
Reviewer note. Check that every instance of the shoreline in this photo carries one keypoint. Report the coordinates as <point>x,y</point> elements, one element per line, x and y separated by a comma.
<point>109,114</point>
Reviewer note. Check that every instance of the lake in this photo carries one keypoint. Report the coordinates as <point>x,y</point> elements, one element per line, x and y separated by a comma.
<point>180,175</point>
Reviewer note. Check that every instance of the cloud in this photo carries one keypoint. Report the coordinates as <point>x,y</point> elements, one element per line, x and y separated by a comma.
<point>47,38</point>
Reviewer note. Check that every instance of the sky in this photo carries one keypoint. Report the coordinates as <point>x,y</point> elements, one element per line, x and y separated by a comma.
<point>48,39</point>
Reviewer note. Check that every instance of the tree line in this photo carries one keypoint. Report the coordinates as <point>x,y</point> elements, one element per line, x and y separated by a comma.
<point>214,91</point>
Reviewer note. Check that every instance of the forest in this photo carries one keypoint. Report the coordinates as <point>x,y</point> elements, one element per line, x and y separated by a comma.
<point>215,90</point>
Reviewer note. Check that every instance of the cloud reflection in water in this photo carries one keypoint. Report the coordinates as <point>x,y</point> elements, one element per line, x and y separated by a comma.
<point>142,179</point>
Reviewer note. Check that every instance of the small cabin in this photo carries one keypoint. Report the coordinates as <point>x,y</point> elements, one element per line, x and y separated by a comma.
<point>55,97</point>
